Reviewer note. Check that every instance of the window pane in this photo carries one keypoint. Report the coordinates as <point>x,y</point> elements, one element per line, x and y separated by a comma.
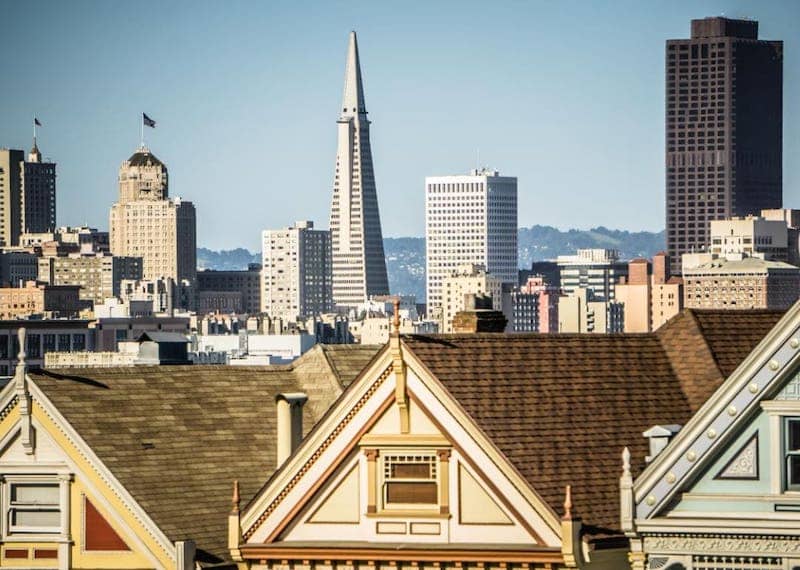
<point>34,494</point>
<point>41,519</point>
<point>793,427</point>
<point>794,470</point>
<point>411,493</point>
<point>411,471</point>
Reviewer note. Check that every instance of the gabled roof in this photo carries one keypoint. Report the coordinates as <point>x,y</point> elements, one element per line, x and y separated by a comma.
<point>348,360</point>
<point>562,407</point>
<point>729,333</point>
<point>177,437</point>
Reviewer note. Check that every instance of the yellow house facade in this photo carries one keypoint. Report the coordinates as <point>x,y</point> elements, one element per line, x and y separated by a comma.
<point>130,468</point>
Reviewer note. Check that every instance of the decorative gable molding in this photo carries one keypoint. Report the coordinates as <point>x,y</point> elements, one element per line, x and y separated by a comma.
<point>768,366</point>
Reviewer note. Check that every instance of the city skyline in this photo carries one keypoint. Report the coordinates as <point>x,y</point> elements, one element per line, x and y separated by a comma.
<point>283,89</point>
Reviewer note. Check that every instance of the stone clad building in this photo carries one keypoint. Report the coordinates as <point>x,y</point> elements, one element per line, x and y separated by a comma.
<point>747,283</point>
<point>146,223</point>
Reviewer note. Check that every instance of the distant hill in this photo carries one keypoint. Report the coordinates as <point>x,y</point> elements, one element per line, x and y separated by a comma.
<point>405,257</point>
<point>226,260</point>
<point>538,243</point>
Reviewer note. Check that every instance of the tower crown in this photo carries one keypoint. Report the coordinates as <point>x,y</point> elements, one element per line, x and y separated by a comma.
<point>353,97</point>
<point>143,177</point>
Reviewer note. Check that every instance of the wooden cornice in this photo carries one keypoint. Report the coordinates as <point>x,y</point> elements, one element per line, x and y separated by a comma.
<point>401,554</point>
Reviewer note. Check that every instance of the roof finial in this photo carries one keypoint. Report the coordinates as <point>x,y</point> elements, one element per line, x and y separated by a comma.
<point>21,354</point>
<point>235,500</point>
<point>626,462</point>
<point>396,316</point>
<point>568,504</point>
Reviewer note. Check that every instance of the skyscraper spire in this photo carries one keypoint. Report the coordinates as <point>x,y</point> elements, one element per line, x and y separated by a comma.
<point>353,98</point>
<point>359,266</point>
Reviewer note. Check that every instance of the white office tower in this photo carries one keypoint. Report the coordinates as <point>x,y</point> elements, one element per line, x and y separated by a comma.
<point>469,220</point>
<point>296,274</point>
<point>359,265</point>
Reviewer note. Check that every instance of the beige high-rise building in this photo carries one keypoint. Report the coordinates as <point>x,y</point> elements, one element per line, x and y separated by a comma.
<point>750,236</point>
<point>147,223</point>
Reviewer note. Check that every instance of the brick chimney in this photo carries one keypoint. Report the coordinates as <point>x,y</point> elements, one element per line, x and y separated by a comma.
<point>478,316</point>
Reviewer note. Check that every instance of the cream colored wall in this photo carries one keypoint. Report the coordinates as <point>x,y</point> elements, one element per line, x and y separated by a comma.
<point>667,301</point>
<point>637,306</point>
<point>147,229</point>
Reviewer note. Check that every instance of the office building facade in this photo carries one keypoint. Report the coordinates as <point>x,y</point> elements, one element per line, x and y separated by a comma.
<point>297,272</point>
<point>469,220</point>
<point>597,270</point>
<point>723,129</point>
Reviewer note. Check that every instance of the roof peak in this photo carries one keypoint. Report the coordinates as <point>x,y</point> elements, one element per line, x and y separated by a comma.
<point>353,97</point>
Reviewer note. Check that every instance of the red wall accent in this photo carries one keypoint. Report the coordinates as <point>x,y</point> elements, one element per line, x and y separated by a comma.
<point>99,535</point>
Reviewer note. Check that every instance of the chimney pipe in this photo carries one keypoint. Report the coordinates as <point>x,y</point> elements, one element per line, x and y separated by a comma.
<point>290,423</point>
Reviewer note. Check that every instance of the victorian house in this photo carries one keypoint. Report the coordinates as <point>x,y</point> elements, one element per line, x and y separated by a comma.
<point>486,450</point>
<point>722,489</point>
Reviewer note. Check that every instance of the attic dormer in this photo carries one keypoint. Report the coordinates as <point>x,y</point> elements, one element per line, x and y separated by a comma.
<point>659,437</point>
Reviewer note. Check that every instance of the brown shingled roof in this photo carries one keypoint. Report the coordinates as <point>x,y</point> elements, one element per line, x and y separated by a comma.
<point>203,427</point>
<point>562,407</point>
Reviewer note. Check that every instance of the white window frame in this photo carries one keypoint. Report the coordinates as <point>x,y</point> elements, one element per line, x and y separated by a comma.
<point>41,474</point>
<point>778,412</point>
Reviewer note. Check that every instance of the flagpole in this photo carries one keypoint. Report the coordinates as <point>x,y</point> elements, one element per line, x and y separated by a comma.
<point>142,129</point>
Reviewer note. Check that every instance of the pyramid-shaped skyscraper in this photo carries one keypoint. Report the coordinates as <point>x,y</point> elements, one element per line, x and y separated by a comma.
<point>359,265</point>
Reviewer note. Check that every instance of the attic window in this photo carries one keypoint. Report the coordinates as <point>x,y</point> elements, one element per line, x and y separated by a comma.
<point>410,481</point>
<point>34,508</point>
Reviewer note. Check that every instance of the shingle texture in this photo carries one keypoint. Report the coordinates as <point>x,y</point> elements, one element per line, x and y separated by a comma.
<point>562,407</point>
<point>177,437</point>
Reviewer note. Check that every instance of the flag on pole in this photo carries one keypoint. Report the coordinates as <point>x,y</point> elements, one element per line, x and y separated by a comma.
<point>148,121</point>
<point>36,122</point>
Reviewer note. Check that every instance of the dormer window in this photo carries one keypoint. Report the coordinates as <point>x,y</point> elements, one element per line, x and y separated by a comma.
<point>410,481</point>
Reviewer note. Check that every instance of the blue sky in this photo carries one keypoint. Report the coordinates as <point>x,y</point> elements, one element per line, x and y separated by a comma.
<point>568,96</point>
